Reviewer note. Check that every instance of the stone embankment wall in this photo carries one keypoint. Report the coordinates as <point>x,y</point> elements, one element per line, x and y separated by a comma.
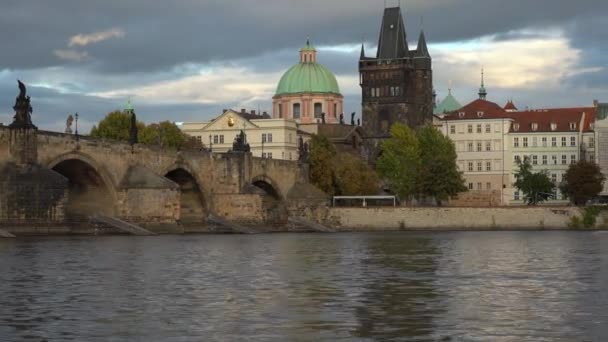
<point>380,219</point>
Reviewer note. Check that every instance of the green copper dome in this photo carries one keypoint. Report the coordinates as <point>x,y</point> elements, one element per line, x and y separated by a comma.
<point>449,104</point>
<point>308,76</point>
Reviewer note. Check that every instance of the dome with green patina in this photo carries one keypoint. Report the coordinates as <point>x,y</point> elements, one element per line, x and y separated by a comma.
<point>449,104</point>
<point>308,76</point>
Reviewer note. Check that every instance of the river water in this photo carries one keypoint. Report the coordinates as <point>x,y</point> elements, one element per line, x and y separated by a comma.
<point>464,286</point>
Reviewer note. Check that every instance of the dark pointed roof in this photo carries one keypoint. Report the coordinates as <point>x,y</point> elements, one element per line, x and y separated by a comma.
<point>362,50</point>
<point>392,43</point>
<point>422,50</point>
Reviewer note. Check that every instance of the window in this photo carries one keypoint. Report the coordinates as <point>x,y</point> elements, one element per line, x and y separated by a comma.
<point>535,160</point>
<point>516,195</point>
<point>471,166</point>
<point>479,186</point>
<point>479,166</point>
<point>488,128</point>
<point>461,114</point>
<point>269,137</point>
<point>573,141</point>
<point>470,147</point>
<point>216,139</point>
<point>318,110</point>
<point>199,138</point>
<point>554,158</point>
<point>573,126</point>
<point>591,142</point>
<point>489,146</point>
<point>544,140</point>
<point>516,127</point>
<point>564,141</point>
<point>554,141</point>
<point>488,186</point>
<point>534,142</point>
<point>280,110</point>
<point>480,114</point>
<point>553,126</point>
<point>470,186</point>
<point>335,110</point>
<point>453,129</point>
<point>470,128</point>
<point>545,160</point>
<point>269,155</point>
<point>264,155</point>
<point>478,146</point>
<point>515,142</point>
<point>263,137</point>
<point>534,126</point>
<point>478,128</point>
<point>525,142</point>
<point>554,178</point>
<point>296,110</point>
<point>517,159</point>
<point>573,159</point>
<point>221,139</point>
<point>564,159</point>
<point>488,166</point>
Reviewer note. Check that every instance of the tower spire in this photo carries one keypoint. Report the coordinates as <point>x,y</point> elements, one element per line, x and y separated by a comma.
<point>422,50</point>
<point>362,51</point>
<point>482,90</point>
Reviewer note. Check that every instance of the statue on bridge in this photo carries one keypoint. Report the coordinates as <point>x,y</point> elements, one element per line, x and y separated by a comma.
<point>23,110</point>
<point>302,151</point>
<point>68,124</point>
<point>240,143</point>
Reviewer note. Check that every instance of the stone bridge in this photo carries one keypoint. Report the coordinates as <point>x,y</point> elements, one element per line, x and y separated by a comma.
<point>52,179</point>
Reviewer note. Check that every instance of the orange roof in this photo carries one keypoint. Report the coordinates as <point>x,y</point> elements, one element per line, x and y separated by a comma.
<point>478,109</point>
<point>510,106</point>
<point>552,120</point>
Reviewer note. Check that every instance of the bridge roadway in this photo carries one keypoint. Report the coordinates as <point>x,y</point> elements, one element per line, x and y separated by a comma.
<point>143,184</point>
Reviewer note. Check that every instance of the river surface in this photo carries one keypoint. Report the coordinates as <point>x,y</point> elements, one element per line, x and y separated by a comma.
<point>464,286</point>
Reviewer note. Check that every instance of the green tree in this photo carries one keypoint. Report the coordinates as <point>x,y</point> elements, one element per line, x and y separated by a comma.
<point>322,153</point>
<point>166,133</point>
<point>115,125</point>
<point>438,176</point>
<point>535,187</point>
<point>583,181</point>
<point>399,163</point>
<point>354,177</point>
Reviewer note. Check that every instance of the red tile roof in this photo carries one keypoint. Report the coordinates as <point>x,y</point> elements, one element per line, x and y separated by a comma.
<point>478,109</point>
<point>561,117</point>
<point>510,106</point>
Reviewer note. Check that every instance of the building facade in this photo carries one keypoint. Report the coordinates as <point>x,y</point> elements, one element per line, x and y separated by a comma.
<point>268,138</point>
<point>308,91</point>
<point>396,84</point>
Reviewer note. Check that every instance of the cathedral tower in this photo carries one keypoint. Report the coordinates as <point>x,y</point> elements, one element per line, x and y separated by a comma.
<point>397,84</point>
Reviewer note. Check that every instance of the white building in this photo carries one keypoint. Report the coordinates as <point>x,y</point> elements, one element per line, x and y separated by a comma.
<point>268,138</point>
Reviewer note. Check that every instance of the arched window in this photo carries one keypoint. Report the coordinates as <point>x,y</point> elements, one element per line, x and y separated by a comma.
<point>296,110</point>
<point>318,109</point>
<point>280,110</point>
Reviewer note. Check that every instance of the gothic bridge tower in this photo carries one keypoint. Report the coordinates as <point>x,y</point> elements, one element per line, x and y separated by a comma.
<point>397,84</point>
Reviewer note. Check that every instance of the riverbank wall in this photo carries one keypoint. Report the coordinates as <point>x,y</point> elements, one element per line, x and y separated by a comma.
<point>399,218</point>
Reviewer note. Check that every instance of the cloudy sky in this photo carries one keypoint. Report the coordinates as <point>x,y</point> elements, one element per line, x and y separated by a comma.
<point>187,60</point>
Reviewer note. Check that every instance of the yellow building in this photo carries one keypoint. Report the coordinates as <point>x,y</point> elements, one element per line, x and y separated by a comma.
<point>268,138</point>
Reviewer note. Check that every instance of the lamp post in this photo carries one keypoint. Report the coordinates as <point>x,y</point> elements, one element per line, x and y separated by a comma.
<point>263,146</point>
<point>210,144</point>
<point>76,130</point>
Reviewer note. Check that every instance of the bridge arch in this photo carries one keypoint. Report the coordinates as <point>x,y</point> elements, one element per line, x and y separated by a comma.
<point>91,188</point>
<point>268,185</point>
<point>194,207</point>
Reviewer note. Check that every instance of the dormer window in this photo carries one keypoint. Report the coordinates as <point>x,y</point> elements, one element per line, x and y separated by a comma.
<point>480,114</point>
<point>516,127</point>
<point>461,114</point>
<point>553,126</point>
<point>534,126</point>
<point>573,126</point>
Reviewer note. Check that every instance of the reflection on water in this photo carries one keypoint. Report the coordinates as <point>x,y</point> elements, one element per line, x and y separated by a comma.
<point>484,286</point>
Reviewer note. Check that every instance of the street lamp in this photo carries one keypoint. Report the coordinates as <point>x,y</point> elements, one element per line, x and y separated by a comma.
<point>210,144</point>
<point>76,131</point>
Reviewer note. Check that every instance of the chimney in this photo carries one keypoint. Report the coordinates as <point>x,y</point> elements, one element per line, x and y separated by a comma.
<point>243,111</point>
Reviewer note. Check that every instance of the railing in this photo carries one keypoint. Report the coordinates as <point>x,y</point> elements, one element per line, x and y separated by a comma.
<point>365,199</point>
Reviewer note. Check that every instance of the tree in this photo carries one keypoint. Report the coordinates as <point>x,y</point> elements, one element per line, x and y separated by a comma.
<point>399,163</point>
<point>583,181</point>
<point>438,176</point>
<point>535,187</point>
<point>167,134</point>
<point>322,153</point>
<point>354,177</point>
<point>116,125</point>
